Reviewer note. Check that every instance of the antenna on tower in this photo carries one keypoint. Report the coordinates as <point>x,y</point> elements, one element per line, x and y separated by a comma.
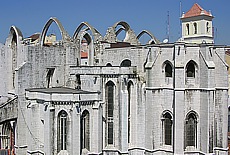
<point>180,33</point>
<point>168,26</point>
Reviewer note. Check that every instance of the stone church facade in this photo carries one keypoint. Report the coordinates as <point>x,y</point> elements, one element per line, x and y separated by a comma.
<point>124,98</point>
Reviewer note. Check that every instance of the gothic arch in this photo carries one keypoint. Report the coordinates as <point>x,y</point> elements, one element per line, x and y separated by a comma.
<point>122,23</point>
<point>97,36</point>
<point>167,67</point>
<point>64,34</point>
<point>165,112</point>
<point>125,27</point>
<point>153,39</point>
<point>193,113</point>
<point>130,36</point>
<point>15,32</point>
<point>119,31</point>
<point>192,67</point>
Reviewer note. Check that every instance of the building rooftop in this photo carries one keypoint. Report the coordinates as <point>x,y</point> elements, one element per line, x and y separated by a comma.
<point>196,10</point>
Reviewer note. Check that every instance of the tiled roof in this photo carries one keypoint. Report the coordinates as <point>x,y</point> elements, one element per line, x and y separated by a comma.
<point>35,36</point>
<point>196,10</point>
<point>84,54</point>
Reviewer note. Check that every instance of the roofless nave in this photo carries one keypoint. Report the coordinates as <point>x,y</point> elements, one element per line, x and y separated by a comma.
<point>119,98</point>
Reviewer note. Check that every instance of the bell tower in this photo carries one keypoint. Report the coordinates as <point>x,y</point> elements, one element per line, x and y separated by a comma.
<point>197,25</point>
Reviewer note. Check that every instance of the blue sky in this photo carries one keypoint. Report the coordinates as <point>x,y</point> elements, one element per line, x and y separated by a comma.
<point>30,16</point>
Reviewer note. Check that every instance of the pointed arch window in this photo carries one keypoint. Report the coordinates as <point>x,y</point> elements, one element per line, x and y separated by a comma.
<point>190,70</point>
<point>191,130</point>
<point>167,128</point>
<point>85,131</point>
<point>62,130</point>
<point>168,70</point>
<point>109,111</point>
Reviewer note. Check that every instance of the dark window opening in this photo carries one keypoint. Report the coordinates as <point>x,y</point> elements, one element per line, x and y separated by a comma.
<point>207,27</point>
<point>168,70</point>
<point>190,70</point>
<point>126,63</point>
<point>110,132</point>
<point>78,82</point>
<point>108,65</point>
<point>109,111</point>
<point>195,28</point>
<point>85,130</point>
<point>187,28</point>
<point>110,100</point>
<point>49,77</point>
<point>168,129</point>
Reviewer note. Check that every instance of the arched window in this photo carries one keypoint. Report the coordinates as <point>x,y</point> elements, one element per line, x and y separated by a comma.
<point>191,129</point>
<point>190,70</point>
<point>195,28</point>
<point>108,65</point>
<point>85,131</point>
<point>126,63</point>
<point>109,110</point>
<point>167,128</point>
<point>207,27</point>
<point>187,29</point>
<point>168,70</point>
<point>62,130</point>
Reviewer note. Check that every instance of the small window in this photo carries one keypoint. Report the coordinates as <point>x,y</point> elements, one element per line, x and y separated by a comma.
<point>187,29</point>
<point>195,28</point>
<point>126,63</point>
<point>108,65</point>
<point>190,71</point>
<point>168,70</point>
<point>207,27</point>
<point>49,76</point>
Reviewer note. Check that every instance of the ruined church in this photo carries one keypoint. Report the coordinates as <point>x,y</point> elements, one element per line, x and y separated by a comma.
<point>94,94</point>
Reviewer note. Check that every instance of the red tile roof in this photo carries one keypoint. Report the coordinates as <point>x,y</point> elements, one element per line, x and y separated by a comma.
<point>35,36</point>
<point>196,10</point>
<point>84,54</point>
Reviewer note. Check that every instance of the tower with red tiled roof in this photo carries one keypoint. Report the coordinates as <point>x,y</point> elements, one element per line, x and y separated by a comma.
<point>197,25</point>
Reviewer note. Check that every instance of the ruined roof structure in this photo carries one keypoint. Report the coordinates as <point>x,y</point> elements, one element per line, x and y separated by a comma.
<point>120,97</point>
